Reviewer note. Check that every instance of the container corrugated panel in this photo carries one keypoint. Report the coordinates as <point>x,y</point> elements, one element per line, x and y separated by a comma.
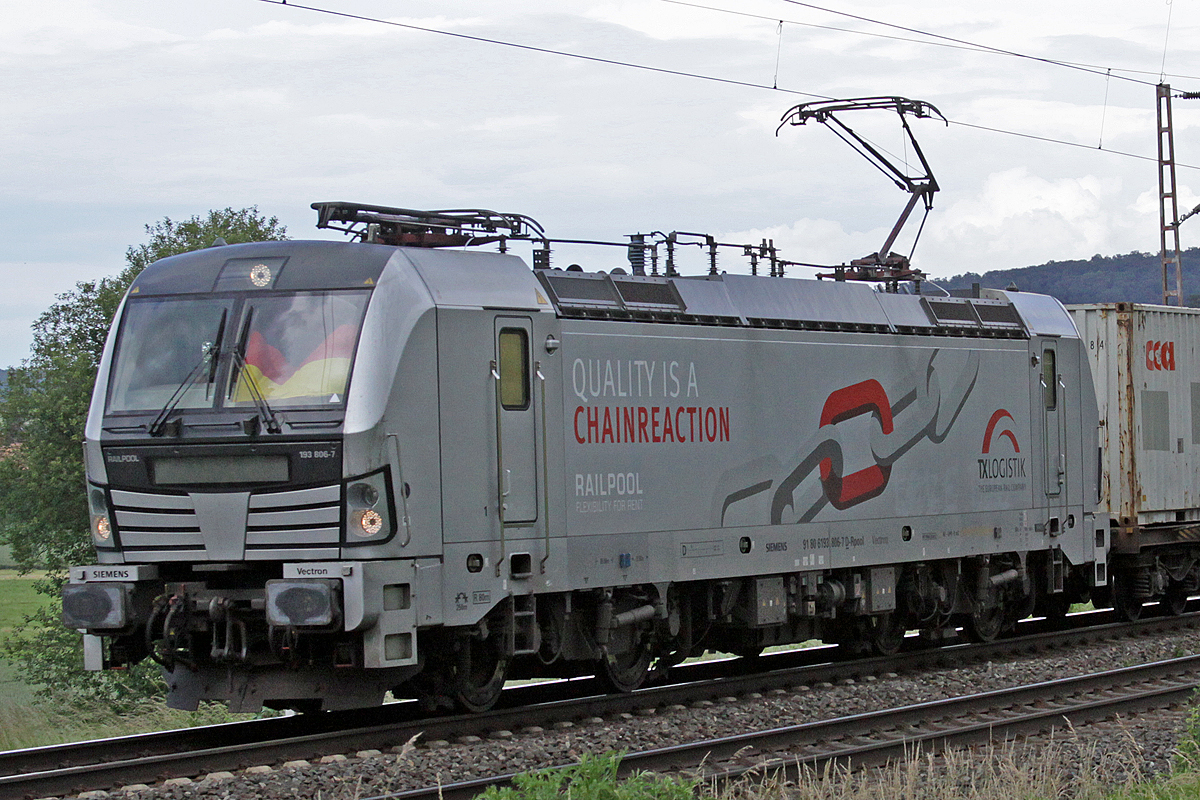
<point>1145,361</point>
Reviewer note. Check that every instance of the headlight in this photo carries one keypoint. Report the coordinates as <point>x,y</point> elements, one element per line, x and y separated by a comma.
<point>363,494</point>
<point>303,604</point>
<point>370,518</point>
<point>102,528</point>
<point>369,523</point>
<point>95,606</point>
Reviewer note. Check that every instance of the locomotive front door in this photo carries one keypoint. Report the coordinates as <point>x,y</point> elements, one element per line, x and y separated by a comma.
<point>516,428</point>
<point>1054,427</point>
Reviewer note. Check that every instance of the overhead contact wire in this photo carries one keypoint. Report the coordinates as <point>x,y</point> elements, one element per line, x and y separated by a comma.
<point>546,50</point>
<point>1166,40</point>
<point>974,45</point>
<point>678,73</point>
<point>969,47</point>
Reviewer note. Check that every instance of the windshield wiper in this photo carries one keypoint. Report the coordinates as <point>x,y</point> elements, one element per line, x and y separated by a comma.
<point>207,357</point>
<point>160,422</point>
<point>269,420</point>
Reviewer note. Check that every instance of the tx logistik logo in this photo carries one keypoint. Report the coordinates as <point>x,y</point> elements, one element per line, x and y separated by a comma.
<point>1000,467</point>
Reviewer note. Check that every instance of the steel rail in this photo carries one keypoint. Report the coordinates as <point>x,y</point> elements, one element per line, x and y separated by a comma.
<point>62,769</point>
<point>879,738</point>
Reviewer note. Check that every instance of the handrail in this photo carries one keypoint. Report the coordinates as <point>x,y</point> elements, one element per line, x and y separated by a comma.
<point>537,368</point>
<point>501,506</point>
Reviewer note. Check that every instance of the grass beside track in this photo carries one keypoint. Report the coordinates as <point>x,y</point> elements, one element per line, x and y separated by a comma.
<point>17,599</point>
<point>1064,769</point>
<point>28,721</point>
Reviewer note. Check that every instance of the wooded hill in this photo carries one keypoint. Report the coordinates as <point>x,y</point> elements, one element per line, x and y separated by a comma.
<point>1133,277</point>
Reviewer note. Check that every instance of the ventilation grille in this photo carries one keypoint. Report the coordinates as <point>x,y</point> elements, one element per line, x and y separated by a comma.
<point>276,523</point>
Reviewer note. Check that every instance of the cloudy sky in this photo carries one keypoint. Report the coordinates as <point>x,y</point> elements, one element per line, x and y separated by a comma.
<point>117,114</point>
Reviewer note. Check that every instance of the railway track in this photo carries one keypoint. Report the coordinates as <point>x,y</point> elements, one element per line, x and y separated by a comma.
<point>877,738</point>
<point>67,769</point>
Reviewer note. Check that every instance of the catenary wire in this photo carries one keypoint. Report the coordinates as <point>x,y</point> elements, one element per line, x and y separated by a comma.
<point>1080,145</point>
<point>678,73</point>
<point>546,50</point>
<point>982,47</point>
<point>969,47</point>
<point>1166,40</point>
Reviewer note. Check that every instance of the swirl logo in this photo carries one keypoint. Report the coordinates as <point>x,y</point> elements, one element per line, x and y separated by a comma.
<point>1005,431</point>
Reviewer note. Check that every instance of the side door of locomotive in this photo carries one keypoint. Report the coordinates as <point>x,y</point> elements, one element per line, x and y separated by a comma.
<point>516,420</point>
<point>1054,433</point>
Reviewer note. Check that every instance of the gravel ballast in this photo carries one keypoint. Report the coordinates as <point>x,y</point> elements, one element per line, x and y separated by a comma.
<point>1152,736</point>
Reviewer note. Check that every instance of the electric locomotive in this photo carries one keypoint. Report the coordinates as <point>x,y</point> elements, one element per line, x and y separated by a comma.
<point>320,471</point>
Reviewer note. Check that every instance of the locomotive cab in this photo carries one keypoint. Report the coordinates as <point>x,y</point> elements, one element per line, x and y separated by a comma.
<point>241,468</point>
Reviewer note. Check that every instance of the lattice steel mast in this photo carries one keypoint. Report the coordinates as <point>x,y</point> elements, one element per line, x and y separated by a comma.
<point>1168,203</point>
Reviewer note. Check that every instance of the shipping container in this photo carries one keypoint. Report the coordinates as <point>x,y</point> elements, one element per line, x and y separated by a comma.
<point>1145,362</point>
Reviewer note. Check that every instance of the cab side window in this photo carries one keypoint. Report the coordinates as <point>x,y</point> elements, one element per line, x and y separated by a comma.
<point>1049,380</point>
<point>514,369</point>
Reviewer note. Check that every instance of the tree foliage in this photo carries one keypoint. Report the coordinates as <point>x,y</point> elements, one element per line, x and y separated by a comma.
<point>169,238</point>
<point>43,509</point>
<point>1131,278</point>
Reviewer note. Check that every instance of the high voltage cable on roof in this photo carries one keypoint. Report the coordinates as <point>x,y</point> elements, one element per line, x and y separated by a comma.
<point>681,73</point>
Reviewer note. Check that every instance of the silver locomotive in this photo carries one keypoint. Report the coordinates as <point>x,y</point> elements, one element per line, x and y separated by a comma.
<point>322,471</point>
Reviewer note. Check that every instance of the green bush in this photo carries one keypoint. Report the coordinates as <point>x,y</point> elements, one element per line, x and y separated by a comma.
<point>1184,786</point>
<point>48,657</point>
<point>43,509</point>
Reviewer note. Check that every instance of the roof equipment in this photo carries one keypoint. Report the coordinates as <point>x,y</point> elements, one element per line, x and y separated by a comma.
<point>883,265</point>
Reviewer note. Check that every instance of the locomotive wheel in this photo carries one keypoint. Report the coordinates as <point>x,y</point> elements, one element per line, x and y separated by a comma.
<point>1175,600</point>
<point>1128,607</point>
<point>886,633</point>
<point>1055,607</point>
<point>985,624</point>
<point>480,674</point>
<point>627,669</point>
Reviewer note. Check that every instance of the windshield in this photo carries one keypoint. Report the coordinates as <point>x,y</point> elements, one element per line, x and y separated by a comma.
<point>298,349</point>
<point>163,345</point>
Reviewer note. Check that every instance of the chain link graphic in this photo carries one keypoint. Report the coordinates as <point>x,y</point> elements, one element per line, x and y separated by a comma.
<point>925,411</point>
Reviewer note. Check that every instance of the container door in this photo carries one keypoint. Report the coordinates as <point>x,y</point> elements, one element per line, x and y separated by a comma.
<point>1054,426</point>
<point>516,429</point>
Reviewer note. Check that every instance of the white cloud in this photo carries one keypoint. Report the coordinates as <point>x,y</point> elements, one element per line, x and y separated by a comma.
<point>667,19</point>
<point>507,124</point>
<point>70,28</point>
<point>119,114</point>
<point>1016,218</point>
